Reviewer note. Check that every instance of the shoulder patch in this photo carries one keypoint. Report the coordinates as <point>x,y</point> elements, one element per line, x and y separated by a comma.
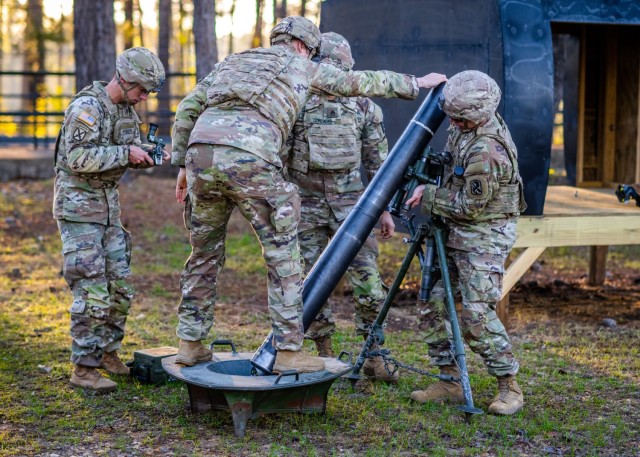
<point>79,134</point>
<point>87,118</point>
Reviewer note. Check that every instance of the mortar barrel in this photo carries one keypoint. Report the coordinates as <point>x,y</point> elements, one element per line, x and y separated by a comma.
<point>348,240</point>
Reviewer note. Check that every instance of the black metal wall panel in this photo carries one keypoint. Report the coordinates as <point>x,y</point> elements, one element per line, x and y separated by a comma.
<point>417,37</point>
<point>528,92</point>
<point>508,39</point>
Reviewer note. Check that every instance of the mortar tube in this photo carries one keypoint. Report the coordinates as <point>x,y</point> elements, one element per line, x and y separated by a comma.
<point>348,240</point>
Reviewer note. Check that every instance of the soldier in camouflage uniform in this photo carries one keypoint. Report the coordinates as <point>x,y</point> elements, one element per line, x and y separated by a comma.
<point>98,142</point>
<point>332,137</point>
<point>234,130</point>
<point>481,199</point>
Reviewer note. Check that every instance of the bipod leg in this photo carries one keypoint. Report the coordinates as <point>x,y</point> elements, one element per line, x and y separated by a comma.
<point>468,407</point>
<point>376,327</point>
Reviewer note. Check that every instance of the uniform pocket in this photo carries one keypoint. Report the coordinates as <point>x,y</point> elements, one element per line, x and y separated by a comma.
<point>186,215</point>
<point>82,257</point>
<point>333,147</point>
<point>285,212</point>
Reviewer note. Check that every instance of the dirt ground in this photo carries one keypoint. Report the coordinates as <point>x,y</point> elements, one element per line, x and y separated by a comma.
<point>558,295</point>
<point>552,295</point>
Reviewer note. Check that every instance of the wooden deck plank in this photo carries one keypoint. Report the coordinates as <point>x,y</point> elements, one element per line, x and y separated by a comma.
<point>573,217</point>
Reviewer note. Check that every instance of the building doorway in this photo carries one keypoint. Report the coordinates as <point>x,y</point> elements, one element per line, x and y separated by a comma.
<point>597,79</point>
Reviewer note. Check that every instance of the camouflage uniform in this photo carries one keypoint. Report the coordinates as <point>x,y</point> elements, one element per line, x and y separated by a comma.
<point>245,111</point>
<point>480,200</point>
<point>92,154</point>
<point>330,140</point>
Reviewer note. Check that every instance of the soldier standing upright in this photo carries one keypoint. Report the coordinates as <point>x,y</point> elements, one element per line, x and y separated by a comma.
<point>331,139</point>
<point>481,200</point>
<point>98,142</point>
<point>234,134</point>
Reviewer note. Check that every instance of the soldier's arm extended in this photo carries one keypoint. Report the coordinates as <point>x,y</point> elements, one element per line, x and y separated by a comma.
<point>85,151</point>
<point>187,114</point>
<point>327,79</point>
<point>479,183</point>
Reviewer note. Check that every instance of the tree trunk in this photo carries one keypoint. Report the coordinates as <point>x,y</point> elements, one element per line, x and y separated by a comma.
<point>94,35</point>
<point>1,38</point>
<point>34,53</point>
<point>279,10</point>
<point>181,58</point>
<point>139,25</point>
<point>257,34</point>
<point>303,7</point>
<point>164,97</point>
<point>129,29</point>
<point>204,34</point>
<point>231,13</point>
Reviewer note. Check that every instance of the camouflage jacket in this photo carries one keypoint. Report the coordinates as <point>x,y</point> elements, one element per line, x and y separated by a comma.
<point>92,154</point>
<point>481,196</point>
<point>187,114</point>
<point>329,142</point>
<point>255,96</point>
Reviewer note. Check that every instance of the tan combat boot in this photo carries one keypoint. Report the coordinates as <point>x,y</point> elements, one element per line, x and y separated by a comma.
<point>323,346</point>
<point>296,360</point>
<point>442,391</point>
<point>112,363</point>
<point>90,378</point>
<point>373,368</point>
<point>509,399</point>
<point>192,352</point>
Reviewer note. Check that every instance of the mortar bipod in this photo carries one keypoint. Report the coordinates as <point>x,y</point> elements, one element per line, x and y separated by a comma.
<point>432,236</point>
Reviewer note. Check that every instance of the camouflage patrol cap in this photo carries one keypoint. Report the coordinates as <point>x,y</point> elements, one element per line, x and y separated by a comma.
<point>297,27</point>
<point>141,66</point>
<point>335,49</point>
<point>470,95</point>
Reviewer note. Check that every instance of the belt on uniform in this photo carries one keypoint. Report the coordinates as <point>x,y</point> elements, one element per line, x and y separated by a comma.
<point>97,184</point>
<point>93,183</point>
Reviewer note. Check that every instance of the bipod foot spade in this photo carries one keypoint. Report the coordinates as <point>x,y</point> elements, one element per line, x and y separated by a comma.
<point>469,411</point>
<point>353,379</point>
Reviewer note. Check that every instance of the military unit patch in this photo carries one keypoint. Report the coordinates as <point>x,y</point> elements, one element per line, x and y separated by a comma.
<point>331,112</point>
<point>475,187</point>
<point>79,134</point>
<point>87,118</point>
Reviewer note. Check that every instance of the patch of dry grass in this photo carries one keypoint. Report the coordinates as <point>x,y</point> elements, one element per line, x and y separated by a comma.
<point>580,379</point>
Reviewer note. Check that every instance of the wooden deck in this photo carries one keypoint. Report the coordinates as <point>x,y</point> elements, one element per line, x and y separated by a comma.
<point>573,217</point>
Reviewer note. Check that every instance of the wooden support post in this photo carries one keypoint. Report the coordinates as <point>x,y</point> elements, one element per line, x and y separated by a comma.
<point>514,271</point>
<point>598,265</point>
<point>503,311</point>
<point>519,267</point>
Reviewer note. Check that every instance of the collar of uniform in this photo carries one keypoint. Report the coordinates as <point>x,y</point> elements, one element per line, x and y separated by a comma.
<point>104,97</point>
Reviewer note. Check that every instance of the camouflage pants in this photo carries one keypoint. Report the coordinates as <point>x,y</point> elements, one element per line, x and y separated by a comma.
<point>96,267</point>
<point>477,279</point>
<point>221,178</point>
<point>317,226</point>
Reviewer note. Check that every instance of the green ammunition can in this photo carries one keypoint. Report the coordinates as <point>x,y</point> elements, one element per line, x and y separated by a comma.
<point>147,365</point>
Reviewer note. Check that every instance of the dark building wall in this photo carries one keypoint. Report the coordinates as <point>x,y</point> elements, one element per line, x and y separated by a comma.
<point>528,92</point>
<point>419,37</point>
<point>511,40</point>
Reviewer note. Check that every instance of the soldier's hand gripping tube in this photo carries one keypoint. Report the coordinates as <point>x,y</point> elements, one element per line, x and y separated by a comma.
<point>352,234</point>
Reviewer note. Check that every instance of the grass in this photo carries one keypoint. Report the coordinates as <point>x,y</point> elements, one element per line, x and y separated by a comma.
<point>580,382</point>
